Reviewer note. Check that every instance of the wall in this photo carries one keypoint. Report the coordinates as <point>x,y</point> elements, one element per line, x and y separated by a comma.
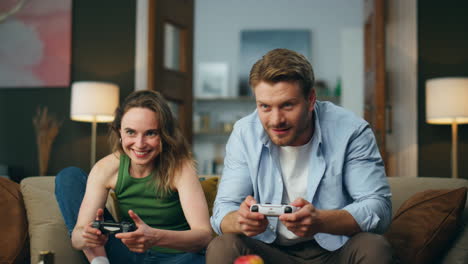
<point>336,44</point>
<point>443,52</point>
<point>401,62</point>
<point>352,69</point>
<point>218,24</point>
<point>103,36</point>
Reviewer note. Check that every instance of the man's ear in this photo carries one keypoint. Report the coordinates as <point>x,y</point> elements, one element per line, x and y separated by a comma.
<point>311,98</point>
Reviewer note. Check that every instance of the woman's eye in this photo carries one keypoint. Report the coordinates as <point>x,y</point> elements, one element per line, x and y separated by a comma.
<point>130,132</point>
<point>151,133</point>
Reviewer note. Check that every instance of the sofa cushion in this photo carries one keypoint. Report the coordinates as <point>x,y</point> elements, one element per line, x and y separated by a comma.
<point>425,224</point>
<point>46,226</point>
<point>210,187</point>
<point>13,224</point>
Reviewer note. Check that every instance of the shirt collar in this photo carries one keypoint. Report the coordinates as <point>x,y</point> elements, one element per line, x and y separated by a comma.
<point>318,131</point>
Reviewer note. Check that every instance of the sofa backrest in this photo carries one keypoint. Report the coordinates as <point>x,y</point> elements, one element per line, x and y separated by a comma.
<point>404,187</point>
<point>47,229</point>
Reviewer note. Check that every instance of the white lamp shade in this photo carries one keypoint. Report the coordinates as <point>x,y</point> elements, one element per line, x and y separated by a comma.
<point>447,100</point>
<point>94,101</point>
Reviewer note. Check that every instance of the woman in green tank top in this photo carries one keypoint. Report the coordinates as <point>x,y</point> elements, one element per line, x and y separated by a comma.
<point>152,173</point>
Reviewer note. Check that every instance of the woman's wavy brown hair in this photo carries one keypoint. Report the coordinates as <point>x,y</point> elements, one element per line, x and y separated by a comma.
<point>174,148</point>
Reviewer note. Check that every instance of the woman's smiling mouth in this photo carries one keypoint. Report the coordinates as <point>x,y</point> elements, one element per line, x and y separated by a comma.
<point>140,154</point>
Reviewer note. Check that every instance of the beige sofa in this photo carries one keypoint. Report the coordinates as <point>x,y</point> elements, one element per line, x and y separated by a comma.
<point>47,230</point>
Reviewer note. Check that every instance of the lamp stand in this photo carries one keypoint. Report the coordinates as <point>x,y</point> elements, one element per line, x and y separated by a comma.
<point>454,149</point>
<point>93,142</point>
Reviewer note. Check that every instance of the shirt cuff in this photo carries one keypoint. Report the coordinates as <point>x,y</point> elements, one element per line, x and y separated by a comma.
<point>219,214</point>
<point>366,219</point>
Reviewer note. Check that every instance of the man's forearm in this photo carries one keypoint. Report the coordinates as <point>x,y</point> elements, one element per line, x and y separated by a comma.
<point>338,222</point>
<point>229,223</point>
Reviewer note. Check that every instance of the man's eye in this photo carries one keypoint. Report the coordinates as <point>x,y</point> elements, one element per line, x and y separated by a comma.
<point>288,105</point>
<point>264,106</point>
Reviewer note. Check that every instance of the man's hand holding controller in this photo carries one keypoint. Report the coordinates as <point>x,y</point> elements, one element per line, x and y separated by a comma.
<point>273,210</point>
<point>247,222</point>
<point>305,222</point>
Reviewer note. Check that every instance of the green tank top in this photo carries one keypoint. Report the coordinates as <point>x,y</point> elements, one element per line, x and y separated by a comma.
<point>139,194</point>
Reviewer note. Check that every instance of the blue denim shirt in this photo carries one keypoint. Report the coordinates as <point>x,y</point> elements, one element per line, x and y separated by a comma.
<point>346,172</point>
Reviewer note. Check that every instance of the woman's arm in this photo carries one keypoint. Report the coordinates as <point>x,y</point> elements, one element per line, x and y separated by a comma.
<point>193,201</point>
<point>97,187</point>
<point>195,209</point>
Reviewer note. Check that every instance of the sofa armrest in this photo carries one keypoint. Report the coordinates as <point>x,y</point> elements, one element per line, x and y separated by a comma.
<point>14,246</point>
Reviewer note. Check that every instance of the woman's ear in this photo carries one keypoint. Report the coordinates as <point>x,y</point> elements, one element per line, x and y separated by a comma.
<point>120,135</point>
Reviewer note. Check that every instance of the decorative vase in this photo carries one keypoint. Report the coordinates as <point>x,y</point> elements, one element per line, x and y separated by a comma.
<point>47,128</point>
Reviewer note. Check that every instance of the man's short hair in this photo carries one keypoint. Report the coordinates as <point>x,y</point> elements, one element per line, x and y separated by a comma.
<point>283,65</point>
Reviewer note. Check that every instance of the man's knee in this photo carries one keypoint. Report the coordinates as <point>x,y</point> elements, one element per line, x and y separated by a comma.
<point>223,243</point>
<point>370,248</point>
<point>225,249</point>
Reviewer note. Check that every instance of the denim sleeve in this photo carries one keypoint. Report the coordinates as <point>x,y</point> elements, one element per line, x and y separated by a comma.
<point>366,182</point>
<point>235,184</point>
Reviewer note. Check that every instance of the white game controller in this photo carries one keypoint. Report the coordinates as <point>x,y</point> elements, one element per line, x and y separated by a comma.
<point>273,210</point>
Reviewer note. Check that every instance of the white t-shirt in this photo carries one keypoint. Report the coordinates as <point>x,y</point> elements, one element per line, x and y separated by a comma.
<point>295,170</point>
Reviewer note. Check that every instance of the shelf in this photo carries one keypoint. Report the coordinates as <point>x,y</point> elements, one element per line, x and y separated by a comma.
<point>211,133</point>
<point>333,99</point>
<point>213,121</point>
<point>226,99</point>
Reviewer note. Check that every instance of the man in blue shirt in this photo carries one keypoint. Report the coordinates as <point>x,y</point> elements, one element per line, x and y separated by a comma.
<point>313,155</point>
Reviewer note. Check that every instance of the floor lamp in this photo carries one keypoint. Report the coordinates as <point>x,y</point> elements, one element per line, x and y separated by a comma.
<point>93,102</point>
<point>447,103</point>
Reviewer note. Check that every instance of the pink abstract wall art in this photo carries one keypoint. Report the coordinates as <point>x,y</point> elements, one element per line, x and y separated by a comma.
<point>35,43</point>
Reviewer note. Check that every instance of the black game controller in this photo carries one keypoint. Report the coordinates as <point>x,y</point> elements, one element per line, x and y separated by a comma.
<point>113,228</point>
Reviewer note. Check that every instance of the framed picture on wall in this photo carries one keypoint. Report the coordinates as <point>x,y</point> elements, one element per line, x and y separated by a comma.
<point>212,80</point>
<point>35,43</point>
<point>255,43</point>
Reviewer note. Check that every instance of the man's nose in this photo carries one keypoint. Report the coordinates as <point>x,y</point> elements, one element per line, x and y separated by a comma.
<point>277,118</point>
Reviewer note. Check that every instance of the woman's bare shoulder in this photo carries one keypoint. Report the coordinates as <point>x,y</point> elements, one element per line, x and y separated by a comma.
<point>107,168</point>
<point>186,171</point>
